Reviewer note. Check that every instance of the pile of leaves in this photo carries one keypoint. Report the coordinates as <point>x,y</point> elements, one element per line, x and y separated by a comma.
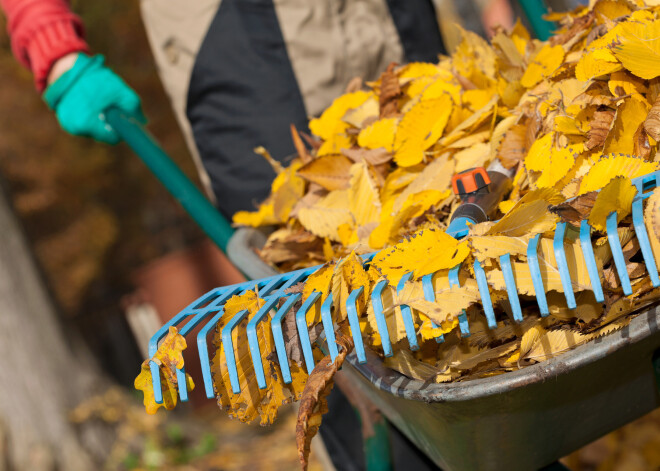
<point>575,119</point>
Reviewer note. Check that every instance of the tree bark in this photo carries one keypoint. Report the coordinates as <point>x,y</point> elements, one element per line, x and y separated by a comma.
<point>41,378</point>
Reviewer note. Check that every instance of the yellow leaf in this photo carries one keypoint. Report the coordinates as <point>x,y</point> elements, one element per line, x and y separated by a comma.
<point>404,362</point>
<point>552,161</point>
<point>329,171</point>
<point>596,63</point>
<point>617,196</point>
<point>378,134</point>
<point>392,221</point>
<point>395,327</point>
<point>652,221</point>
<point>529,339</point>
<point>425,121</point>
<point>252,402</point>
<point>638,48</point>
<point>169,358</point>
<point>538,154</point>
<point>487,246</point>
<point>335,144</point>
<point>330,122</point>
<point>525,219</point>
<point>418,69</point>
<point>623,83</point>
<point>264,216</point>
<point>558,165</point>
<point>364,202</point>
<point>544,63</point>
<point>367,110</point>
<point>287,190</point>
<point>418,254</point>
<point>476,156</point>
<point>629,116</point>
<point>435,176</point>
<point>610,166</point>
<point>555,342</point>
<point>325,216</point>
<point>448,304</point>
<point>349,275</point>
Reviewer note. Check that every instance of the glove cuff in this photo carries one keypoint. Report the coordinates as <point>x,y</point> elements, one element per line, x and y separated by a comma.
<point>58,89</point>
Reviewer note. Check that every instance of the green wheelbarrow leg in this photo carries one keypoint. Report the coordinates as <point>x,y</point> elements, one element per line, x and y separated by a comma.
<point>534,11</point>
<point>200,209</point>
<point>377,448</point>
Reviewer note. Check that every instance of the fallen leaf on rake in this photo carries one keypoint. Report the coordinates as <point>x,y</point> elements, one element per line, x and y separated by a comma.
<point>169,358</point>
<point>314,403</point>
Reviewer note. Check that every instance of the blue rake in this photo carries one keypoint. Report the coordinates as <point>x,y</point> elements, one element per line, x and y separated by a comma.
<point>210,307</point>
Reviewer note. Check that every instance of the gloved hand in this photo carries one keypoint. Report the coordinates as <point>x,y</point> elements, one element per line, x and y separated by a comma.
<point>81,95</point>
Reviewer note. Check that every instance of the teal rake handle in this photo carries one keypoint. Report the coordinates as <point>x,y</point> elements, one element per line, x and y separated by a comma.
<point>161,165</point>
<point>534,11</point>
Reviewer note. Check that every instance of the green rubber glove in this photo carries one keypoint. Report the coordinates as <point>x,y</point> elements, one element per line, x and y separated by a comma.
<point>81,95</point>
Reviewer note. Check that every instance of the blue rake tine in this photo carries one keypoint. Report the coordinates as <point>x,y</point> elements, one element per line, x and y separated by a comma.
<point>180,372</point>
<point>486,300</point>
<point>354,322</point>
<point>162,332</point>
<point>204,353</point>
<point>202,345</point>
<point>617,253</point>
<point>511,289</point>
<point>590,260</point>
<point>562,265</point>
<point>643,239</point>
<point>406,314</point>
<point>153,348</point>
<point>328,327</point>
<point>253,341</point>
<point>276,326</point>
<point>230,354</point>
<point>255,351</point>
<point>537,278</point>
<point>463,325</point>
<point>381,323</point>
<point>303,330</point>
<point>429,295</point>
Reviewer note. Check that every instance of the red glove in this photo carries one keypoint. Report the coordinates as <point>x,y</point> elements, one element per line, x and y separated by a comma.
<point>43,31</point>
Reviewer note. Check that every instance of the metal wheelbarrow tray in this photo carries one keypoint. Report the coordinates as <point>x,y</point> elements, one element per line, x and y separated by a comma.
<point>520,420</point>
<point>528,418</point>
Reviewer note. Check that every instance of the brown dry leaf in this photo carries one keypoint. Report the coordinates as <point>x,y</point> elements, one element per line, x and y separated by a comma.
<point>513,148</point>
<point>372,156</point>
<point>303,153</point>
<point>641,144</point>
<point>599,129</point>
<point>652,121</point>
<point>577,209</point>
<point>314,403</point>
<point>390,92</point>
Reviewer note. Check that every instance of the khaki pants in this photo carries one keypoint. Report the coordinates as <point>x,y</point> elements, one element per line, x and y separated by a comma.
<point>329,42</point>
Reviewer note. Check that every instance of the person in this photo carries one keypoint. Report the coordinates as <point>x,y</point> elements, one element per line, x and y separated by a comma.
<point>238,73</point>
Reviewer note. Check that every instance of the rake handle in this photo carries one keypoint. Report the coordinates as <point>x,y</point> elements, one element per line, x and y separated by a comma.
<point>177,183</point>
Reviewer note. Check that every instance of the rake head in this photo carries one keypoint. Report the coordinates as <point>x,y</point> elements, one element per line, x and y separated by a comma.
<point>275,292</point>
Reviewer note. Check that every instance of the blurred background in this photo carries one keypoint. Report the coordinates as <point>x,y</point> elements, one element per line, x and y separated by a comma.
<point>108,237</point>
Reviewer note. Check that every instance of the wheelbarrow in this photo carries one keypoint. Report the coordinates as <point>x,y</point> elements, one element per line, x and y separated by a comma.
<point>520,420</point>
